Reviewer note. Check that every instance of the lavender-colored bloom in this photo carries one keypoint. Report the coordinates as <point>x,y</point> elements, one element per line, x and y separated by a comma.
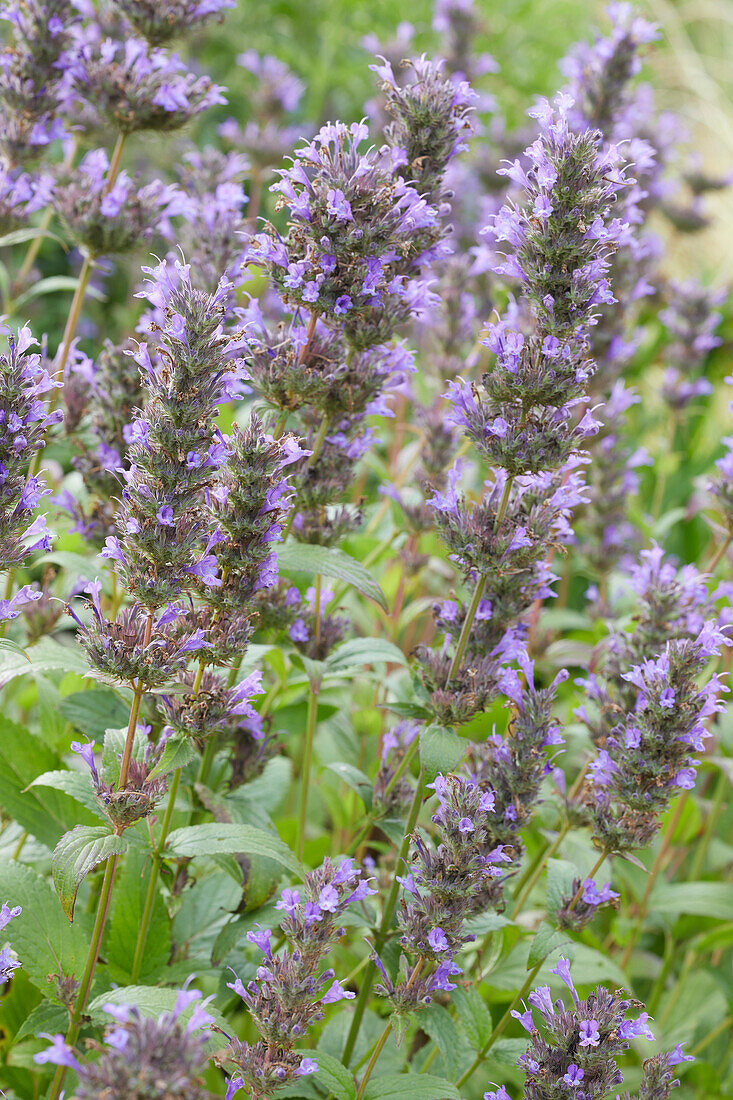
<point>163,547</point>
<point>575,1051</point>
<point>139,1052</point>
<point>291,987</point>
<point>104,220</point>
<point>138,87</point>
<point>374,252</point>
<point>24,421</point>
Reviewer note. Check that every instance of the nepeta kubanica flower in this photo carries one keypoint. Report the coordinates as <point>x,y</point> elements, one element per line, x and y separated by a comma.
<point>163,538</point>
<point>670,605</point>
<point>142,1056</point>
<point>140,794</point>
<point>647,756</point>
<point>159,21</point>
<point>353,220</point>
<point>24,421</point>
<point>290,987</point>
<point>35,82</point>
<point>431,122</point>
<point>510,552</point>
<point>111,391</point>
<point>134,86</point>
<point>561,242</point>
<point>575,1052</point>
<point>103,222</point>
<point>442,886</point>
<point>8,963</point>
<point>577,911</point>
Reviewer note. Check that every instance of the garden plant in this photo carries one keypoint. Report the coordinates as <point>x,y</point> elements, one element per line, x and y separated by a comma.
<point>366,531</point>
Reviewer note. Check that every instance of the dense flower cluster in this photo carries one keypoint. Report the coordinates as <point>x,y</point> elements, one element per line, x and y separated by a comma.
<point>291,988</point>
<point>24,421</point>
<point>161,20</point>
<point>141,1054</point>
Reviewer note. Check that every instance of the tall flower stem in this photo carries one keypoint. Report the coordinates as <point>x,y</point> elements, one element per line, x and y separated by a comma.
<point>498,1030</point>
<point>656,868</point>
<point>379,1047</point>
<point>381,936</point>
<point>72,1034</point>
<point>310,730</point>
<point>153,883</point>
<point>478,592</point>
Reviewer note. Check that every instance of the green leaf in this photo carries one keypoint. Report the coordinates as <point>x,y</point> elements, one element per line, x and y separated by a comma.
<point>76,785</point>
<point>301,557</point>
<point>560,876</point>
<point>45,941</point>
<point>46,1017</point>
<point>92,712</point>
<point>152,1002</point>
<point>20,236</point>
<point>410,1086</point>
<point>473,1015</point>
<point>355,779</point>
<point>334,1077</point>
<point>546,940</point>
<point>124,924</point>
<point>13,647</point>
<point>438,1025</point>
<point>591,967</point>
<point>74,564</point>
<point>51,285</point>
<point>177,752</point>
<point>46,655</point>
<point>44,814</point>
<point>211,838</point>
<point>364,651</point>
<point>78,853</point>
<point>700,899</point>
<point>440,750</point>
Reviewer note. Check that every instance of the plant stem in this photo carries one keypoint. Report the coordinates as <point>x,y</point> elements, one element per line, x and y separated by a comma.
<point>656,867</point>
<point>466,630</point>
<point>718,555</point>
<point>373,1060</point>
<point>134,712</point>
<point>498,1029</point>
<point>86,982</point>
<point>280,425</point>
<point>319,441</point>
<point>379,939</point>
<point>311,722</point>
<point>372,820</point>
<point>153,883</point>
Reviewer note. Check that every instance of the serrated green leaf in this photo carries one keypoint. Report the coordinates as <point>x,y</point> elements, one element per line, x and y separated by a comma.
<point>473,1016</point>
<point>92,712</point>
<point>331,1075</point>
<point>329,561</point>
<point>438,1025</point>
<point>546,940</point>
<point>440,750</point>
<point>702,899</point>
<point>177,752</point>
<point>76,855</point>
<point>364,651</point>
<point>46,1017</point>
<point>43,938</point>
<point>355,779</point>
<point>45,815</point>
<point>76,785</point>
<point>210,838</point>
<point>12,647</point>
<point>410,1086</point>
